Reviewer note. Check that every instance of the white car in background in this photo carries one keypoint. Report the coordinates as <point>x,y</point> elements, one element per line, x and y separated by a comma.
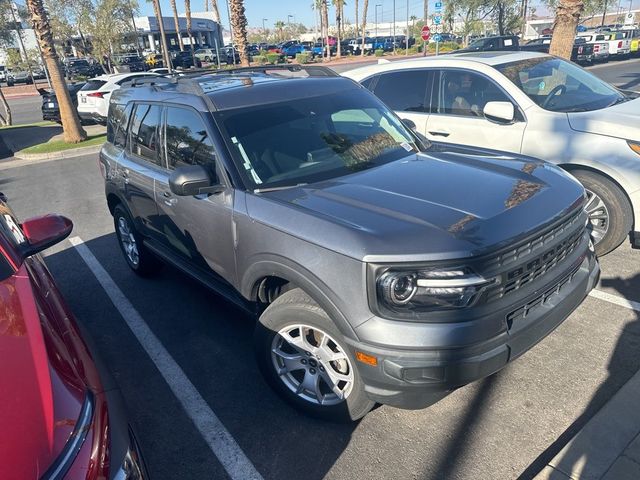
<point>528,103</point>
<point>600,44</point>
<point>93,97</point>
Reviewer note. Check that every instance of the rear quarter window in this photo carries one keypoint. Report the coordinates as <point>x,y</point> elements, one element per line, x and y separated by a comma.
<point>117,122</point>
<point>93,85</point>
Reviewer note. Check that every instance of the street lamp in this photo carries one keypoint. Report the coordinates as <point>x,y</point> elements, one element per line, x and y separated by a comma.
<point>291,16</point>
<point>376,9</point>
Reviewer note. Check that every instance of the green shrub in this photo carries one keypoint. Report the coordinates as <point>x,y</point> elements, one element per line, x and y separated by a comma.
<point>273,58</point>
<point>444,47</point>
<point>303,58</point>
<point>379,52</point>
<point>259,59</point>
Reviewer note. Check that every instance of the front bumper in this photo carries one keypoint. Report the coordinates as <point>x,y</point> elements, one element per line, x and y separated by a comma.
<point>414,379</point>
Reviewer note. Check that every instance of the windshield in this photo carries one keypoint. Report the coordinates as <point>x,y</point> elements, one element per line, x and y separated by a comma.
<point>312,139</point>
<point>560,86</point>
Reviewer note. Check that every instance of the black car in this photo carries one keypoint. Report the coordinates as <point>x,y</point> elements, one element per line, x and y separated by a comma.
<point>50,107</point>
<point>184,60</point>
<point>135,63</point>
<point>82,68</point>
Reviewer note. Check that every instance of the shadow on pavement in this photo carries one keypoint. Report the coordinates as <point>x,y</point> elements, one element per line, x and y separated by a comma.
<point>211,340</point>
<point>628,345</point>
<point>631,83</point>
<point>18,138</point>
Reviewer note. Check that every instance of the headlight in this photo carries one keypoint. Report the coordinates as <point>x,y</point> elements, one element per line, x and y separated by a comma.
<point>428,289</point>
<point>635,146</point>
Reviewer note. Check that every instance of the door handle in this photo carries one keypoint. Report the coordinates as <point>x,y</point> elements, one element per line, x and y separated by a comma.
<point>169,201</point>
<point>125,174</point>
<point>439,133</point>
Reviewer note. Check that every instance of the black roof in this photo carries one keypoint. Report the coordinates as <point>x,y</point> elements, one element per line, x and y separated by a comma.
<point>237,88</point>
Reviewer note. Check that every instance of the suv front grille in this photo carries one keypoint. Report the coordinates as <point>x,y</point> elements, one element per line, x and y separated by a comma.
<point>521,274</point>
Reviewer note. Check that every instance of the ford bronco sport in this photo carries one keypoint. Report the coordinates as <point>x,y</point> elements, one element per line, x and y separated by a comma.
<point>380,268</point>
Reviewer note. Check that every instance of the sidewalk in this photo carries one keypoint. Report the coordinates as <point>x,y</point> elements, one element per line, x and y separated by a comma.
<point>608,446</point>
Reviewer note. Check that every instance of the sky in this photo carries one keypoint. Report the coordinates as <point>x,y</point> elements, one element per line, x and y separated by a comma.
<point>301,12</point>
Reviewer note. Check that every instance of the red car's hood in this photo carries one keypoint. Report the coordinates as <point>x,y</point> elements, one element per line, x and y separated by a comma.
<point>41,393</point>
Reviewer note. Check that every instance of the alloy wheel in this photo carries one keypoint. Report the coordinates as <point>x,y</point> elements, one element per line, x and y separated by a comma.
<point>128,241</point>
<point>598,216</point>
<point>312,364</point>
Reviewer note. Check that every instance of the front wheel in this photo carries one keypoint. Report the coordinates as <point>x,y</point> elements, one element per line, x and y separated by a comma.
<point>304,358</point>
<point>609,211</point>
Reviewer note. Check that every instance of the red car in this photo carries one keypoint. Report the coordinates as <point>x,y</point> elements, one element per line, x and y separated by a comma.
<point>57,421</point>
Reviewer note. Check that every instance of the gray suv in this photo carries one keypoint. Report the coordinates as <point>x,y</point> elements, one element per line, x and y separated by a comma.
<point>380,268</point>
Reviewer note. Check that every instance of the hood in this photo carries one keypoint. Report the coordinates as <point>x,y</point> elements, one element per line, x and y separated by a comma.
<point>450,203</point>
<point>620,121</point>
<point>40,392</point>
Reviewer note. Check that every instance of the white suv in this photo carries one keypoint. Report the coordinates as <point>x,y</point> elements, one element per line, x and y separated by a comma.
<point>93,98</point>
<point>533,104</point>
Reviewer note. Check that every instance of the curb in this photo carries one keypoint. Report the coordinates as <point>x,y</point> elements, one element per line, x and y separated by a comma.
<point>72,152</point>
<point>594,450</point>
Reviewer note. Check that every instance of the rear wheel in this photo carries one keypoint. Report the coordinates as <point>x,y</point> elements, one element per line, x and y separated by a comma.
<point>207,59</point>
<point>609,211</point>
<point>304,358</point>
<point>139,259</point>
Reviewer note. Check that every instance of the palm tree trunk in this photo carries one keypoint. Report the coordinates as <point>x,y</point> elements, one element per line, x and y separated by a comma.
<point>357,26</point>
<point>73,131</point>
<point>187,13</point>
<point>175,19</point>
<point>163,39</point>
<point>215,10</point>
<point>564,28</point>
<point>364,24</point>
<point>5,121</point>
<point>239,26</point>
<point>338,23</point>
<point>426,22</point>
<point>206,5</point>
<point>325,20</point>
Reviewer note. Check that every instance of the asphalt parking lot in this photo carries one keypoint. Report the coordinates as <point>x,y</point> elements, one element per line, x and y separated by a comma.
<point>183,359</point>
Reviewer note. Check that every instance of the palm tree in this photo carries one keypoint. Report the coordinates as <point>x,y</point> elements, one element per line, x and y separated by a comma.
<point>73,131</point>
<point>324,10</point>
<point>564,28</point>
<point>357,26</point>
<point>279,25</point>
<point>338,4</point>
<point>187,13</point>
<point>175,19</point>
<point>214,9</point>
<point>364,24</point>
<point>163,39</point>
<point>7,109</point>
<point>239,25</point>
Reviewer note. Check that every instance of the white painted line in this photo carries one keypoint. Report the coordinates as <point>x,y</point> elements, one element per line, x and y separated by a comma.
<point>220,441</point>
<point>615,299</point>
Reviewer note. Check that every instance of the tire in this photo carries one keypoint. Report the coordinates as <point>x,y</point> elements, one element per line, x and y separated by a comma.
<point>297,312</point>
<point>143,262</point>
<point>614,203</point>
<point>207,59</point>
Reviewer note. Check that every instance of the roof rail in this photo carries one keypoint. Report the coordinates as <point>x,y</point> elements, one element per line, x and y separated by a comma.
<point>148,81</point>
<point>311,70</point>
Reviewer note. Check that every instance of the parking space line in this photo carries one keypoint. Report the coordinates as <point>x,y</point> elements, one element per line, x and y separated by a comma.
<point>615,299</point>
<point>218,438</point>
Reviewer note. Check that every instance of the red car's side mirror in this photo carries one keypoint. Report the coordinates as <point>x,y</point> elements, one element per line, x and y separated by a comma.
<point>45,231</point>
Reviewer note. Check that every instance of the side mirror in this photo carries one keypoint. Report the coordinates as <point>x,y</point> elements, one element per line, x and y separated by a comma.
<point>44,232</point>
<point>410,124</point>
<point>499,112</point>
<point>193,180</point>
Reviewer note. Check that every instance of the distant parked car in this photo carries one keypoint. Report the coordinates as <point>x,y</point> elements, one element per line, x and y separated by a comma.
<point>60,416</point>
<point>295,49</point>
<point>356,45</point>
<point>93,97</point>
<point>533,104</point>
<point>207,55</point>
<point>184,60</point>
<point>133,63</point>
<point>82,67</point>
<point>50,107</point>
<point>21,76</point>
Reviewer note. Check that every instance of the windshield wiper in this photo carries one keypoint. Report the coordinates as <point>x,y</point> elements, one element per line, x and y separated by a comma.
<point>275,189</point>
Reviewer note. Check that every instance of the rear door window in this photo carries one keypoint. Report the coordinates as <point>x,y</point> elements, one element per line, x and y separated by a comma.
<point>118,120</point>
<point>145,133</point>
<point>93,85</point>
<point>404,91</point>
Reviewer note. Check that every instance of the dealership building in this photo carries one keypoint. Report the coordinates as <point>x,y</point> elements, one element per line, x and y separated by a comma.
<point>204,29</point>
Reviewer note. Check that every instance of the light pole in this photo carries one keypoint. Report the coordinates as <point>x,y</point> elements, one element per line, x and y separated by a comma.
<point>264,29</point>
<point>376,9</point>
<point>394,25</point>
